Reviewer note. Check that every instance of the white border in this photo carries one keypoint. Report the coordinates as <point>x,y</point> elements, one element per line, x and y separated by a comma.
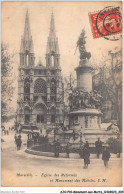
<point>50,190</point>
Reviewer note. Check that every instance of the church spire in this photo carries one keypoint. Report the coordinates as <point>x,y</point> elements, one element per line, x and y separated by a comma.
<point>27,32</point>
<point>26,49</point>
<point>52,43</point>
<point>26,40</point>
<point>52,33</point>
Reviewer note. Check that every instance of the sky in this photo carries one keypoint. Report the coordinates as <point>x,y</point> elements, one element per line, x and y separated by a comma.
<point>70,19</point>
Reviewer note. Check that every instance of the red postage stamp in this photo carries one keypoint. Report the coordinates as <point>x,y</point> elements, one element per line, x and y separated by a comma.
<point>106,22</point>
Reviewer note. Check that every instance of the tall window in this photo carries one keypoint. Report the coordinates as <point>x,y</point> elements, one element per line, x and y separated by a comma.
<point>27,86</point>
<point>53,114</point>
<point>53,87</point>
<point>52,60</point>
<point>40,86</point>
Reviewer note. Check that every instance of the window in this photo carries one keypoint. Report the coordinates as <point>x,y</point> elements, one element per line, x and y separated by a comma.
<point>27,119</point>
<point>53,113</point>
<point>40,86</point>
<point>40,119</point>
<point>52,60</point>
<point>53,87</point>
<point>27,86</point>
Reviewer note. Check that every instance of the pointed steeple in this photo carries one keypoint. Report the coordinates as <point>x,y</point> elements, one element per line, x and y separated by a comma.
<point>26,40</point>
<point>52,33</point>
<point>27,50</point>
<point>52,50</point>
<point>52,43</point>
<point>27,32</point>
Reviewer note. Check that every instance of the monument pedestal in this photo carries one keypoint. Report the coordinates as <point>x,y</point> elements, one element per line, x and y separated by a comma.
<point>86,122</point>
<point>84,75</point>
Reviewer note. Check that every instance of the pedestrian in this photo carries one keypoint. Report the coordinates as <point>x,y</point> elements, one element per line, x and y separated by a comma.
<point>86,156</point>
<point>57,146</point>
<point>3,131</point>
<point>19,142</point>
<point>15,137</point>
<point>15,140</point>
<point>105,156</point>
<point>81,151</point>
<point>20,135</point>
<point>67,150</point>
<point>98,145</point>
<point>86,145</point>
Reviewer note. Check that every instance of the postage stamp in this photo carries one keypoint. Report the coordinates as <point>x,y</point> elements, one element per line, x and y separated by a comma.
<point>106,22</point>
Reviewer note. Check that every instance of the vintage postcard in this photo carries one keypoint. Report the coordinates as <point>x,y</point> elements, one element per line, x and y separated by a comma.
<point>61,94</point>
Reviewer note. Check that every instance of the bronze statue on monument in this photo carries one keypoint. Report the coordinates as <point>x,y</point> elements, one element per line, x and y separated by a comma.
<point>81,45</point>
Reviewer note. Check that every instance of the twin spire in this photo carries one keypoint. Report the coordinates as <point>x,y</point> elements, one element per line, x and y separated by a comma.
<point>27,42</point>
<point>27,31</point>
<point>52,33</point>
<point>52,43</point>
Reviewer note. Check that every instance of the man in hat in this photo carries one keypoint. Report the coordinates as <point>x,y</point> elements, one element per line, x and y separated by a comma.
<point>98,145</point>
<point>105,156</point>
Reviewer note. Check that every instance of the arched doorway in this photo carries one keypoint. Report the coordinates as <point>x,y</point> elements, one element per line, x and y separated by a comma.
<point>40,112</point>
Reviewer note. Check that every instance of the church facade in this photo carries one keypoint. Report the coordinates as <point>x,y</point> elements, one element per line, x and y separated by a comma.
<point>40,88</point>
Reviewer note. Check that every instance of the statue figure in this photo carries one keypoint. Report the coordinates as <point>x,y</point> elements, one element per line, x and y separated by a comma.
<point>81,44</point>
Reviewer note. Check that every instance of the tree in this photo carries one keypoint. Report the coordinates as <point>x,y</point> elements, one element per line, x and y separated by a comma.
<point>6,80</point>
<point>110,77</point>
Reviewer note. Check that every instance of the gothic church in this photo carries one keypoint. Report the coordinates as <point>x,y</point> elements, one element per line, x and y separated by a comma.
<point>40,88</point>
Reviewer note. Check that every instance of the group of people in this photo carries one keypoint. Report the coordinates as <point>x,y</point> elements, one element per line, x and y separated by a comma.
<point>18,141</point>
<point>84,152</point>
<point>33,136</point>
<point>36,137</point>
<point>99,149</point>
<point>6,131</point>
